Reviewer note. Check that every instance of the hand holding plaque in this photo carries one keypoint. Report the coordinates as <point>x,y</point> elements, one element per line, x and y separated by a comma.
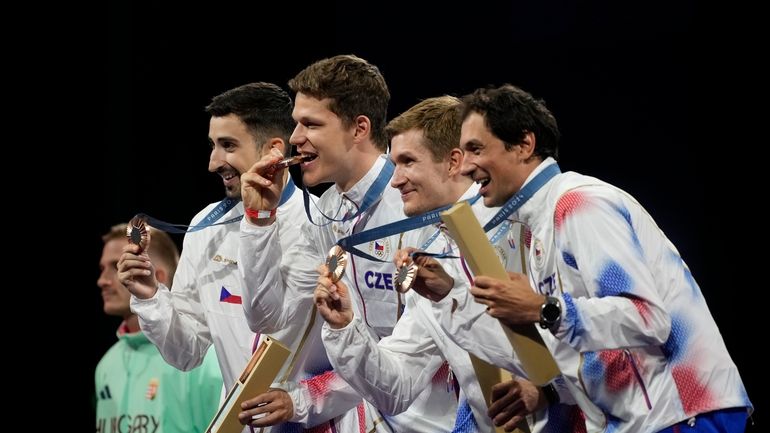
<point>259,374</point>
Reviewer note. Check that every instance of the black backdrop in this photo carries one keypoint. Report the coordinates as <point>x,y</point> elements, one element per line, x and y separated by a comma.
<point>624,81</point>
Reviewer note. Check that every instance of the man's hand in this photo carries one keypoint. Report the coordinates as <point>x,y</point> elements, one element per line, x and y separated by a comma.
<point>431,281</point>
<point>136,272</point>
<point>261,187</point>
<point>273,407</point>
<point>513,301</point>
<point>332,300</point>
<point>513,400</point>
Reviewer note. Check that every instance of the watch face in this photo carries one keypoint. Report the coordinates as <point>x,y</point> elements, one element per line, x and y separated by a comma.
<point>551,312</point>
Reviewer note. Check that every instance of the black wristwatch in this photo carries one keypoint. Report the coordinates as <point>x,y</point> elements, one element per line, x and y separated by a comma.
<point>551,395</point>
<point>550,312</point>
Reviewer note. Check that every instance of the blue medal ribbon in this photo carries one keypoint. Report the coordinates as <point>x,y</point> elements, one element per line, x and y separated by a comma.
<point>214,215</point>
<point>372,196</point>
<point>522,196</point>
<point>401,226</point>
<point>517,201</point>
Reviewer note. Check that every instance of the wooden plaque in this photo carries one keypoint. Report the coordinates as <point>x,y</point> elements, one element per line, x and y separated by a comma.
<point>259,374</point>
<point>536,359</point>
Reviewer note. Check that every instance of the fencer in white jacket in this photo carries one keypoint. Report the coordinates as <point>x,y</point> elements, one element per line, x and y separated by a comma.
<point>623,317</point>
<point>280,283</point>
<point>204,307</point>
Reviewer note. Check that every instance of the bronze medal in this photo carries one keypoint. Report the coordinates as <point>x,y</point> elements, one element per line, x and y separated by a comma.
<point>285,163</point>
<point>336,261</point>
<point>136,231</point>
<point>404,277</point>
<point>288,162</point>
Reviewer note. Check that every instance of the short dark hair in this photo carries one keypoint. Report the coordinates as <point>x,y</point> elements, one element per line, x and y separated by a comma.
<point>355,87</point>
<point>510,112</point>
<point>264,107</point>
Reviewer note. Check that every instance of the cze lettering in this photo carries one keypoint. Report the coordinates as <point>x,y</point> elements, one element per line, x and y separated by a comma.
<point>378,280</point>
<point>547,286</point>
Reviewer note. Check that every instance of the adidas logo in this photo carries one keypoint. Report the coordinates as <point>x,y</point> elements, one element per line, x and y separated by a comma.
<point>104,394</point>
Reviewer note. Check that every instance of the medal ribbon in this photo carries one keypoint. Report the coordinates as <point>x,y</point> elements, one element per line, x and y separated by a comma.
<point>401,226</point>
<point>372,196</point>
<point>214,215</point>
<point>522,196</point>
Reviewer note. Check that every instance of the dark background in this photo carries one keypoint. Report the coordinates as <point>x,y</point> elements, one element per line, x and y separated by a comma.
<point>640,92</point>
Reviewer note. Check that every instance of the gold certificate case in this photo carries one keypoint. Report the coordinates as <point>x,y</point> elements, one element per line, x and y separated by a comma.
<point>535,358</point>
<point>256,379</point>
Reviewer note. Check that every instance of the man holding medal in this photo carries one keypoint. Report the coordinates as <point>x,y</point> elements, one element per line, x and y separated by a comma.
<point>340,109</point>
<point>204,309</point>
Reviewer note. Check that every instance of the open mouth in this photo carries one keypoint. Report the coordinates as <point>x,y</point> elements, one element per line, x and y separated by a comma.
<point>483,184</point>
<point>307,157</point>
<point>230,178</point>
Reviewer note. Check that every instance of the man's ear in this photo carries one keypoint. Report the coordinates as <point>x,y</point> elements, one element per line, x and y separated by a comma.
<point>363,127</point>
<point>527,145</point>
<point>456,156</point>
<point>277,143</point>
<point>161,274</point>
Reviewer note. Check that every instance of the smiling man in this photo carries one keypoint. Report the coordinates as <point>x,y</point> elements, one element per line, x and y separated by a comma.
<point>623,317</point>
<point>204,309</point>
<point>426,153</point>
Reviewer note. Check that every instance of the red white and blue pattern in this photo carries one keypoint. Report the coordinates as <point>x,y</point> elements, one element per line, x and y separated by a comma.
<point>646,349</point>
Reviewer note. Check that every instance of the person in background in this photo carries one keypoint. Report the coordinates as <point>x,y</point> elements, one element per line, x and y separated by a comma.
<point>136,390</point>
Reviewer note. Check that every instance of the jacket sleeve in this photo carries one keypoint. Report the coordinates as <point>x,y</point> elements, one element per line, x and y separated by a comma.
<point>599,237</point>
<point>174,320</point>
<point>278,279</point>
<point>321,398</point>
<point>390,374</point>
